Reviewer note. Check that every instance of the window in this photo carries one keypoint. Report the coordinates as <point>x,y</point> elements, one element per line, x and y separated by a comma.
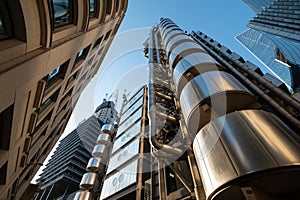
<point>117,5</point>
<point>279,55</point>
<point>107,35</point>
<point>61,12</point>
<point>81,55</point>
<point>97,42</point>
<point>5,22</point>
<point>48,101</point>
<point>6,118</point>
<point>92,9</point>
<point>108,7</point>
<point>57,73</point>
<point>3,171</point>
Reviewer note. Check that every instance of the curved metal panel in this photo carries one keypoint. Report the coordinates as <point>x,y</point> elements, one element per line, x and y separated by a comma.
<point>83,195</point>
<point>170,35</point>
<point>176,40</point>
<point>94,164</point>
<point>236,147</point>
<point>182,50</point>
<point>103,138</point>
<point>99,150</point>
<point>210,95</point>
<point>107,128</point>
<point>88,181</point>
<point>194,60</point>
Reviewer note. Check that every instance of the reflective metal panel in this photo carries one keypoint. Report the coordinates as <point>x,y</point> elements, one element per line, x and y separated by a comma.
<point>176,39</point>
<point>120,180</point>
<point>125,154</point>
<point>240,145</point>
<point>103,138</point>
<point>128,135</point>
<point>168,36</point>
<point>94,164</point>
<point>83,195</point>
<point>133,99</point>
<point>135,106</point>
<point>107,128</point>
<point>210,95</point>
<point>179,49</point>
<point>192,60</point>
<point>99,150</point>
<point>130,120</point>
<point>88,181</point>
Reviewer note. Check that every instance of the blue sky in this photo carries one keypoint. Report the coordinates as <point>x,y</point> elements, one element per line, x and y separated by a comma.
<point>220,19</point>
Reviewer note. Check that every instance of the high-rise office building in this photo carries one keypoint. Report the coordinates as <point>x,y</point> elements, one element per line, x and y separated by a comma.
<point>280,18</point>
<point>218,96</point>
<point>63,173</point>
<point>278,54</point>
<point>217,129</point>
<point>124,159</point>
<point>258,5</point>
<point>49,52</point>
<point>273,39</point>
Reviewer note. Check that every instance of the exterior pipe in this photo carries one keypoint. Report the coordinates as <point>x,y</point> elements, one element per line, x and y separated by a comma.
<point>268,99</point>
<point>152,113</point>
<point>161,179</point>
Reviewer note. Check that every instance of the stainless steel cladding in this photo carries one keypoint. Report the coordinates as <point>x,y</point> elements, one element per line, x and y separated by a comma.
<point>107,128</point>
<point>94,164</point>
<point>210,95</point>
<point>103,138</point>
<point>83,195</point>
<point>192,65</point>
<point>99,150</point>
<point>249,147</point>
<point>88,181</point>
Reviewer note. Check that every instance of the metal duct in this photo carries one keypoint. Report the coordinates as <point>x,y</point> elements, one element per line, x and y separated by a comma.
<point>252,149</point>
<point>83,195</point>
<point>107,128</point>
<point>94,164</point>
<point>88,181</point>
<point>99,150</point>
<point>210,95</point>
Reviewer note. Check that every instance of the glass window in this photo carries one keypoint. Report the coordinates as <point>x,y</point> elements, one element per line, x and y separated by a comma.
<point>5,22</point>
<point>57,73</point>
<point>62,12</point>
<point>81,55</point>
<point>3,172</point>
<point>108,7</point>
<point>97,43</point>
<point>92,9</point>
<point>6,117</point>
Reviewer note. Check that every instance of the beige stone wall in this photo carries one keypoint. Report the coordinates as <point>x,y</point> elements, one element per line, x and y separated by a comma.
<point>23,66</point>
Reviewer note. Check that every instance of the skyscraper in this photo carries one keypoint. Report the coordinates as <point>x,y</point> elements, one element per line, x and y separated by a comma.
<point>218,95</point>
<point>280,18</point>
<point>217,129</point>
<point>273,39</point>
<point>63,173</point>
<point>258,5</point>
<point>49,52</point>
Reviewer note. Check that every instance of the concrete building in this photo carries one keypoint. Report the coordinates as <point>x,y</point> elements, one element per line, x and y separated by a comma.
<point>63,173</point>
<point>49,52</point>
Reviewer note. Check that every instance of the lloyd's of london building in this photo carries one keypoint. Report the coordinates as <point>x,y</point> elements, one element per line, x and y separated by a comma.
<point>216,128</point>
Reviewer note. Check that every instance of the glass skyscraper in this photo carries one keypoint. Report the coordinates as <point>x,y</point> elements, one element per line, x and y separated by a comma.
<point>258,5</point>
<point>277,54</point>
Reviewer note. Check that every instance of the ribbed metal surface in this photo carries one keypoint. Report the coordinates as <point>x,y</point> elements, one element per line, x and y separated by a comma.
<point>234,148</point>
<point>94,164</point>
<point>210,95</point>
<point>103,138</point>
<point>107,128</point>
<point>99,150</point>
<point>83,195</point>
<point>88,181</point>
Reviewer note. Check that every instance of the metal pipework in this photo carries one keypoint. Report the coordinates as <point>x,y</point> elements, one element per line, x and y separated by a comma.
<point>259,91</point>
<point>166,150</point>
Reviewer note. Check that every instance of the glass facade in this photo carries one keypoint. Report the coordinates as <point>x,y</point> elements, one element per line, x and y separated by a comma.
<point>61,12</point>
<point>281,18</point>
<point>274,52</point>
<point>258,5</point>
